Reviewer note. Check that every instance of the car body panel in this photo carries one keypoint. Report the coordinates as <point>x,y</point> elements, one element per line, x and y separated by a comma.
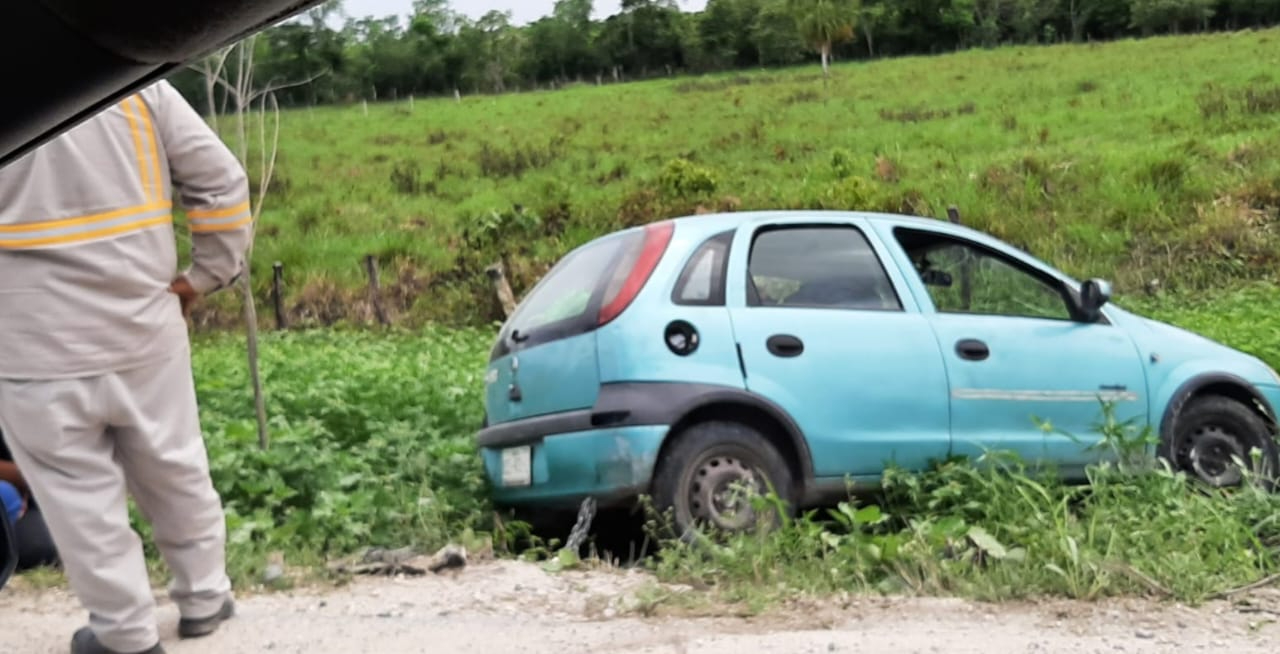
<point>634,348</point>
<point>869,389</point>
<point>1040,393</point>
<point>550,377</point>
<point>567,467</point>
<point>855,417</point>
<point>871,386</point>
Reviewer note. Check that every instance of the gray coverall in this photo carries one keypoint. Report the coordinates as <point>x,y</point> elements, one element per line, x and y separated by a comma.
<point>96,388</point>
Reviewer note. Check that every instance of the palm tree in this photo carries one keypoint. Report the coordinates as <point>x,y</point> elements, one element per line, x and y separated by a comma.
<point>823,23</point>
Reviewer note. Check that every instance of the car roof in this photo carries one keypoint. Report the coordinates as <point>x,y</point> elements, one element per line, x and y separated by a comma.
<point>704,225</point>
<point>716,222</point>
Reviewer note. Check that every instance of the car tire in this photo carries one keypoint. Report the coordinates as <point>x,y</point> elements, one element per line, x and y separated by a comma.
<point>1211,430</point>
<point>695,478</point>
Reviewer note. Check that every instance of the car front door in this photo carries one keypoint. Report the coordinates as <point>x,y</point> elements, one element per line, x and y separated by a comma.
<point>826,333</point>
<point>1025,375</point>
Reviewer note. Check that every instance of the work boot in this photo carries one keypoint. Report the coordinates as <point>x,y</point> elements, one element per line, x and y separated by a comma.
<point>197,627</point>
<point>85,642</point>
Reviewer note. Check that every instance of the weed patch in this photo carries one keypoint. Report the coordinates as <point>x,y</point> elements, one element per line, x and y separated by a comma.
<point>925,114</point>
<point>996,529</point>
<point>373,445</point>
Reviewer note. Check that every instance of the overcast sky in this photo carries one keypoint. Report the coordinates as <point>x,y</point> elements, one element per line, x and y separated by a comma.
<point>522,11</point>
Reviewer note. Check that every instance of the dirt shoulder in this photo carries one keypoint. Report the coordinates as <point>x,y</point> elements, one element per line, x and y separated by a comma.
<point>505,606</point>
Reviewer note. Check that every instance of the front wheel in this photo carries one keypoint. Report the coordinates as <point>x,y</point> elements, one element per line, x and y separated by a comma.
<point>712,474</point>
<point>1212,432</point>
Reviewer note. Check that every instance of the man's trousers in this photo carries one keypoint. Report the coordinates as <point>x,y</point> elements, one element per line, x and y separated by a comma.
<point>81,444</point>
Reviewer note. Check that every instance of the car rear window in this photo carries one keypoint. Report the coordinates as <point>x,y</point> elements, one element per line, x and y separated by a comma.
<point>564,295</point>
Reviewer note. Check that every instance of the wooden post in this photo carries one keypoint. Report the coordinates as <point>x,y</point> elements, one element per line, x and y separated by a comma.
<point>277,297</point>
<point>375,295</point>
<point>953,214</point>
<point>500,285</point>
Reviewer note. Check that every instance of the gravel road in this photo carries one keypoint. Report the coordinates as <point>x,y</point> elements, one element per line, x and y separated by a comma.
<point>518,608</point>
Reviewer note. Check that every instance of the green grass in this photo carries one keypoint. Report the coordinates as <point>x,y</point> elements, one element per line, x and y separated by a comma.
<point>1139,161</point>
<point>371,442</point>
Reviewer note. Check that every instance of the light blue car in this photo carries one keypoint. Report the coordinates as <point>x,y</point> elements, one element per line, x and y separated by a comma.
<point>798,349</point>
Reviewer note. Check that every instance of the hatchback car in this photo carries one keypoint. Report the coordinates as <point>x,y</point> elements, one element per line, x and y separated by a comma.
<point>797,350</point>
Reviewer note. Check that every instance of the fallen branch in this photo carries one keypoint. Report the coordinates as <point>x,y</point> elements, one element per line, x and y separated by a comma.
<point>378,561</point>
<point>1261,583</point>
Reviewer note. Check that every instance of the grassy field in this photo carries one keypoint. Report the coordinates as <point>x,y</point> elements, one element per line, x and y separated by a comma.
<point>1141,161</point>
<point>1154,163</point>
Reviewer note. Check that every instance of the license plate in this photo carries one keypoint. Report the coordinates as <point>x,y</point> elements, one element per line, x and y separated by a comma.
<point>517,467</point>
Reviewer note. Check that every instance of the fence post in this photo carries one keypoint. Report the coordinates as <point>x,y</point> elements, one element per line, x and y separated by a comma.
<point>375,294</point>
<point>498,276</point>
<point>277,298</point>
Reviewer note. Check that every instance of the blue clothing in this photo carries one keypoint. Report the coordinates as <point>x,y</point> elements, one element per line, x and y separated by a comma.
<point>12,501</point>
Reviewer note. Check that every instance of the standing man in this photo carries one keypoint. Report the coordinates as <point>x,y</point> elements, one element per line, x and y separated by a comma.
<point>96,389</point>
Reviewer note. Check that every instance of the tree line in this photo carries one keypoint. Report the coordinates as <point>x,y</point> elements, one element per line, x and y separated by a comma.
<point>438,51</point>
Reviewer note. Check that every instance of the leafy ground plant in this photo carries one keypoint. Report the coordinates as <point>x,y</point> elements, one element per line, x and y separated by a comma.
<point>997,529</point>
<point>372,442</point>
<point>373,446</point>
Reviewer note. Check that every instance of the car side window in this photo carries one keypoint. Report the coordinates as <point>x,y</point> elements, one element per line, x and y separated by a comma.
<point>701,283</point>
<point>818,266</point>
<point>964,278</point>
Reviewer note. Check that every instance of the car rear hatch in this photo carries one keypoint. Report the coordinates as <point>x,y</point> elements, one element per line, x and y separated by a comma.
<point>545,358</point>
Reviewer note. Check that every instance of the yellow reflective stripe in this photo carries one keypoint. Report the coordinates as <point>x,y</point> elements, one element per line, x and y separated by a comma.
<point>202,228</point>
<point>157,180</point>
<point>143,168</point>
<point>81,221</point>
<point>204,214</point>
<point>76,237</point>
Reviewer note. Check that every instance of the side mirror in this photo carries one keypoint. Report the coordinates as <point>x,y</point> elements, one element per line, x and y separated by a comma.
<point>1094,294</point>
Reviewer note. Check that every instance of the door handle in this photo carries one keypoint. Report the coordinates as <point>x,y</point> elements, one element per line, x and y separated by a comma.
<point>972,349</point>
<point>785,345</point>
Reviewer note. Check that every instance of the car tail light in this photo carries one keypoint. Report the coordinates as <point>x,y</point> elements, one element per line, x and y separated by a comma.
<point>634,271</point>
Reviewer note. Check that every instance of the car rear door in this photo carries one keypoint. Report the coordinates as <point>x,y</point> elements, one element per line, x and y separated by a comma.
<point>1016,358</point>
<point>826,333</point>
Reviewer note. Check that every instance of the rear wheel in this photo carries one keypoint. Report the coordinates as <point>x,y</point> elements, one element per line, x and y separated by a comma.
<point>713,474</point>
<point>1212,432</point>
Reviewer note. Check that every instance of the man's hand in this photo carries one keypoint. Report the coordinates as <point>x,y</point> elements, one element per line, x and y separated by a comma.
<point>187,295</point>
<point>9,472</point>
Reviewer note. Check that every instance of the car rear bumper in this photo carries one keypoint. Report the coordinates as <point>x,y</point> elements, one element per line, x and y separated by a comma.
<point>611,464</point>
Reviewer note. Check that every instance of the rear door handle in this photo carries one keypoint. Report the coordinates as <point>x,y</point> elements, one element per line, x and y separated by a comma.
<point>785,346</point>
<point>972,349</point>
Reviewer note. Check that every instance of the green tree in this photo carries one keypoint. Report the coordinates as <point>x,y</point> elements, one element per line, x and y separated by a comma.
<point>875,16</point>
<point>1155,15</point>
<point>824,23</point>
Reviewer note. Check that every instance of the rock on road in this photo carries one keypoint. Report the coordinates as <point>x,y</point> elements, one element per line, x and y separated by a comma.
<point>518,608</point>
